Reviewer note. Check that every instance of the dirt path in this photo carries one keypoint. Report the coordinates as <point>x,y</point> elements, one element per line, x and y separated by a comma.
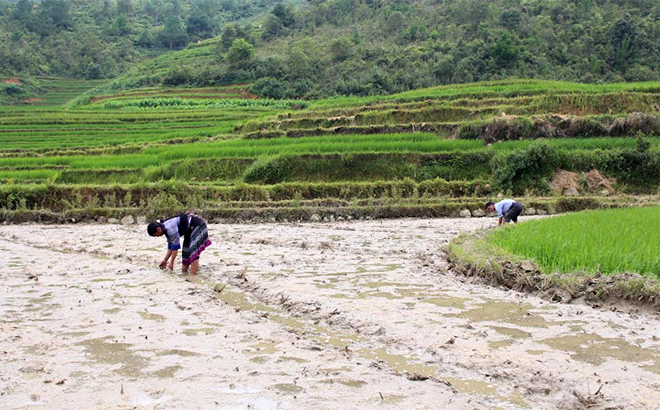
<point>314,316</point>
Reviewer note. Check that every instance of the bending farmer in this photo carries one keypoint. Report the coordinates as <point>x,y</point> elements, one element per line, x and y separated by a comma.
<point>195,239</point>
<point>507,210</point>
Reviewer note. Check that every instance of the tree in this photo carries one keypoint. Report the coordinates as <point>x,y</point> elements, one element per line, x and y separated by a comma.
<point>240,53</point>
<point>228,5</point>
<point>341,49</point>
<point>285,14</point>
<point>121,26</point>
<point>510,19</point>
<point>173,34</point>
<point>199,22</point>
<point>106,11</point>
<point>145,40</point>
<point>268,87</point>
<point>396,21</point>
<point>23,11</point>
<point>505,52</point>
<point>56,11</point>
<point>624,38</point>
<point>444,70</point>
<point>272,28</point>
<point>298,63</point>
<point>125,7</point>
<point>227,38</point>
<point>176,8</point>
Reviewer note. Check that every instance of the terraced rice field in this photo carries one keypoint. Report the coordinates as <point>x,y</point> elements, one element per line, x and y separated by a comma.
<point>208,93</point>
<point>60,91</point>
<point>408,154</point>
<point>282,315</point>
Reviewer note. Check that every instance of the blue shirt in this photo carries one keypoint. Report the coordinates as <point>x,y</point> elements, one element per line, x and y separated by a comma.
<point>503,207</point>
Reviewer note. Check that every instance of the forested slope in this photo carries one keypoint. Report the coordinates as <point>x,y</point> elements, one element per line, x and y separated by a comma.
<point>367,47</point>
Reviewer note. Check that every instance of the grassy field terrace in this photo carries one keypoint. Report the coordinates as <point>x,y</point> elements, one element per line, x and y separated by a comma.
<point>605,255</point>
<point>432,152</point>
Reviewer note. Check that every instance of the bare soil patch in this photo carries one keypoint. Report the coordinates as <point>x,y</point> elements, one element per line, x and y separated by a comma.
<point>12,80</point>
<point>299,316</point>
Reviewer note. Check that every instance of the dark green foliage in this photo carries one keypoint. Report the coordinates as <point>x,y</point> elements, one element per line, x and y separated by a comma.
<point>356,47</point>
<point>475,41</point>
<point>268,87</point>
<point>240,53</point>
<point>272,28</point>
<point>268,171</point>
<point>228,36</point>
<point>341,49</point>
<point>505,52</point>
<point>178,75</point>
<point>524,169</point>
<point>173,34</point>
<point>91,39</point>
<point>285,14</point>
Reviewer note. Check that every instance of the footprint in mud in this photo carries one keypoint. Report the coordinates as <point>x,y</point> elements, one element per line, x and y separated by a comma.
<point>287,388</point>
<point>595,350</point>
<point>506,312</point>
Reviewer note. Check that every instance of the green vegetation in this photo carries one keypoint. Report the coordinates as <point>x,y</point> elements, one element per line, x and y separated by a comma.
<point>596,256</point>
<point>609,241</point>
<point>367,48</point>
<point>101,39</point>
<point>60,91</point>
<point>431,152</point>
<point>187,104</point>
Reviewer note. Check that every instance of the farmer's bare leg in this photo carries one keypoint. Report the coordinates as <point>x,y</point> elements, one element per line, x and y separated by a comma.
<point>194,266</point>
<point>184,268</point>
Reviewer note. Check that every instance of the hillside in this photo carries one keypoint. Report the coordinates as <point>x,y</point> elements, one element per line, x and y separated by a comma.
<point>93,39</point>
<point>359,47</point>
<point>428,152</point>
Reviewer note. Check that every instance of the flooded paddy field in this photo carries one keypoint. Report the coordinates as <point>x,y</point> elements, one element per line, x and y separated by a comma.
<point>344,315</point>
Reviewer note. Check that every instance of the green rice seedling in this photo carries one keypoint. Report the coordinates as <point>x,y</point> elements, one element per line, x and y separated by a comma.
<point>608,241</point>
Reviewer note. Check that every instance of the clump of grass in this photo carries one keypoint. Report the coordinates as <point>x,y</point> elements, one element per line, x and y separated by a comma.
<point>610,241</point>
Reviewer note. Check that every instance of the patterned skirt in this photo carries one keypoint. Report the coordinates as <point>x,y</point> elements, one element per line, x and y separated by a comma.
<point>195,243</point>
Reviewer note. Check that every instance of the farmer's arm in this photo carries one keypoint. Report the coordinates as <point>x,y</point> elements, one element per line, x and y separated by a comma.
<point>500,221</point>
<point>171,264</point>
<point>163,263</point>
<point>173,246</point>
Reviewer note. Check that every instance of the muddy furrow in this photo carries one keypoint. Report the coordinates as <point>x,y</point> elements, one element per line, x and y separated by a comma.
<point>378,294</point>
<point>81,331</point>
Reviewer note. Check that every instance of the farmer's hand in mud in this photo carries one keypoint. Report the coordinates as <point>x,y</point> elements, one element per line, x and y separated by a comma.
<point>163,264</point>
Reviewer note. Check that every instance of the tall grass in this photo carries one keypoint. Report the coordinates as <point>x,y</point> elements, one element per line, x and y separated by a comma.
<point>617,241</point>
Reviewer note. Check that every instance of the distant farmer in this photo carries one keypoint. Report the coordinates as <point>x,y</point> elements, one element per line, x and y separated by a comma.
<point>195,240</point>
<point>507,210</point>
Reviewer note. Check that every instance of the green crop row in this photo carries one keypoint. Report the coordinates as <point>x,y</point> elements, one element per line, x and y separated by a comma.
<point>513,165</point>
<point>493,89</point>
<point>463,110</point>
<point>180,103</point>
<point>608,241</point>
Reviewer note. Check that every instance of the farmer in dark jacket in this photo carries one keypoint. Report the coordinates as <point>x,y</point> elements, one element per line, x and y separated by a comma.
<point>507,210</point>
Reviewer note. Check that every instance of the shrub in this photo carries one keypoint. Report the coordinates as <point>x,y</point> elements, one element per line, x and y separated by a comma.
<point>525,169</point>
<point>268,171</point>
<point>268,88</point>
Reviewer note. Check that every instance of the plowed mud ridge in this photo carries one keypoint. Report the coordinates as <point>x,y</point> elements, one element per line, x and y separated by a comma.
<point>348,315</point>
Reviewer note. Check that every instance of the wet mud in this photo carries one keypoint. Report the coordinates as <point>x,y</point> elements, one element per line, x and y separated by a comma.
<point>299,316</point>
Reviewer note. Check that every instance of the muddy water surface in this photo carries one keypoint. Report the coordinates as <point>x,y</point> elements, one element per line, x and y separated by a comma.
<point>288,316</point>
